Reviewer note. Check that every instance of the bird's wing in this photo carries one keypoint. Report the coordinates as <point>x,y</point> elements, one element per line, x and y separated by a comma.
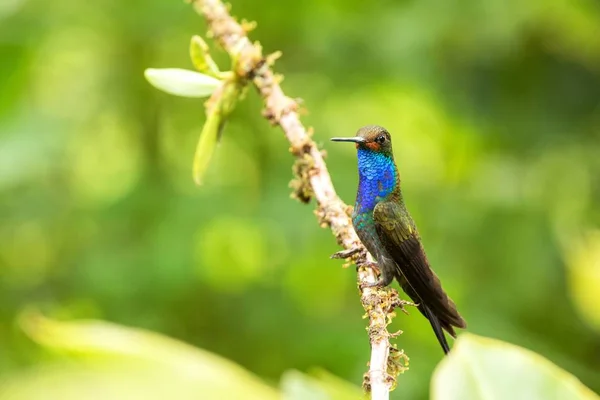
<point>400,238</point>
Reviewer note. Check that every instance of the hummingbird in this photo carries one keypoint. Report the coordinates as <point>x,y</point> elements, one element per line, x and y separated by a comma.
<point>388,232</point>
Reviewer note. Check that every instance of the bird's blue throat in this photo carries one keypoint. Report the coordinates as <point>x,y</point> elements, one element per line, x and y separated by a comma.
<point>378,177</point>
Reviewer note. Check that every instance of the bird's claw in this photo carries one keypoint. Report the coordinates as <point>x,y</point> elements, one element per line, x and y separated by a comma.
<point>365,285</point>
<point>374,267</point>
<point>379,283</point>
<point>346,253</point>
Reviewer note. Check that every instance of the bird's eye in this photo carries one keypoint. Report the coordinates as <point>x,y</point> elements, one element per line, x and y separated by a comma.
<point>380,139</point>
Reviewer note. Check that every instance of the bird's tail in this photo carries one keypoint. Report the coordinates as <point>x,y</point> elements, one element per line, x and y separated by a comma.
<point>437,328</point>
<point>443,317</point>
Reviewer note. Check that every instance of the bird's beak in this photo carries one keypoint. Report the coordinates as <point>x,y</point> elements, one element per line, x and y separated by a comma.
<point>356,139</point>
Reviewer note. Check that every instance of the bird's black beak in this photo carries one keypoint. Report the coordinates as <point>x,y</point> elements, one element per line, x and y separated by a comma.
<point>356,139</point>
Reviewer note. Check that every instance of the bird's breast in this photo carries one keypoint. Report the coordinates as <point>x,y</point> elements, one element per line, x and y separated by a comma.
<point>374,188</point>
<point>364,225</point>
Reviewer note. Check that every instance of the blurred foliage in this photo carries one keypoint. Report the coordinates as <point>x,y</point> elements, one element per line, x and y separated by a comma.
<point>102,360</point>
<point>494,110</point>
<point>481,368</point>
<point>125,363</point>
<point>582,257</point>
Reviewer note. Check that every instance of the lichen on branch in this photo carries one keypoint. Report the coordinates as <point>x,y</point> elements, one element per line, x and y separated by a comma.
<point>312,180</point>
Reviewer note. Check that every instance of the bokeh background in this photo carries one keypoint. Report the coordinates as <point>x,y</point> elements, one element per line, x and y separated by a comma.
<point>494,111</point>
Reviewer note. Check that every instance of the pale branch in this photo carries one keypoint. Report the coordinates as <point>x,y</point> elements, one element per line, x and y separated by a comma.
<point>312,178</point>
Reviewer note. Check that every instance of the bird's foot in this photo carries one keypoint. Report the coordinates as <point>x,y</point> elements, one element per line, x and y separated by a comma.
<point>377,284</point>
<point>346,253</point>
<point>383,281</point>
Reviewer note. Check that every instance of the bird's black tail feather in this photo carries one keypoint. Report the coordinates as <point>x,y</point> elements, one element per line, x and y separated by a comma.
<point>445,321</point>
<point>437,328</point>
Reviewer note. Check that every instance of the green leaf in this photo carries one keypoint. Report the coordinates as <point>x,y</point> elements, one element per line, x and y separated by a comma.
<point>479,368</point>
<point>182,82</point>
<point>128,363</point>
<point>208,140</point>
<point>10,7</point>
<point>201,57</point>
<point>298,386</point>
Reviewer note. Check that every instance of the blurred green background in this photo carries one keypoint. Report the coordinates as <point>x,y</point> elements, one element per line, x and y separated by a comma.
<point>494,111</point>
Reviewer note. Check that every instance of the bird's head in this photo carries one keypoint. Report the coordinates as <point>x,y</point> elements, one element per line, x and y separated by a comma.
<point>371,137</point>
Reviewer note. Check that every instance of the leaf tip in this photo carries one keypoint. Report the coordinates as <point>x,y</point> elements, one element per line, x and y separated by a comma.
<point>181,82</point>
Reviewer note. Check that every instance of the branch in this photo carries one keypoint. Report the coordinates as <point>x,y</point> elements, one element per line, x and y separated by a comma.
<point>312,179</point>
